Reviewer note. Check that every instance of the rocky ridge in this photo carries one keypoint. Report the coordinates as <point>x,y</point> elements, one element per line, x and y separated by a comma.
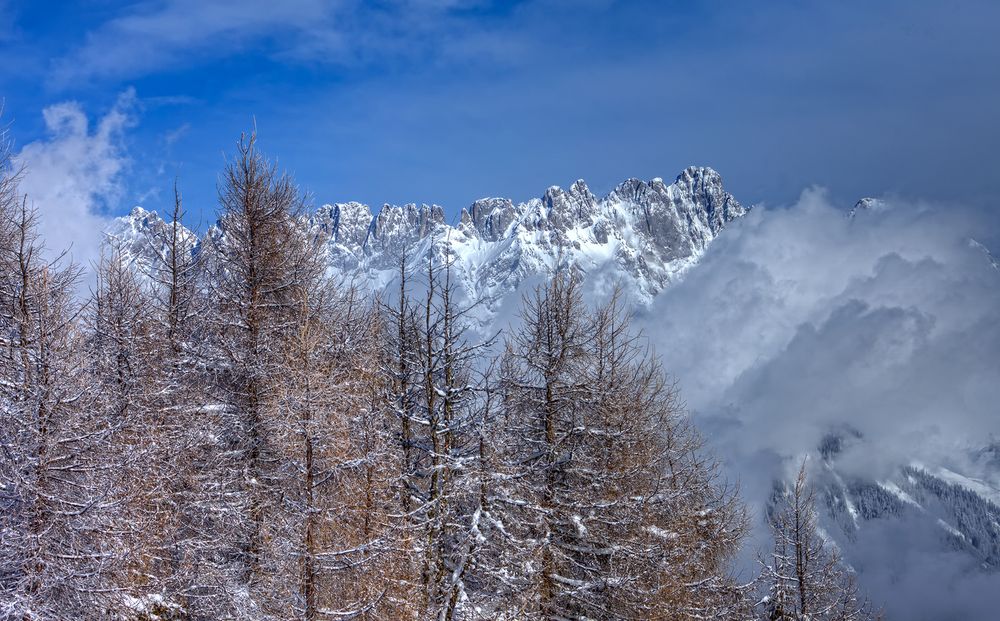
<point>643,235</point>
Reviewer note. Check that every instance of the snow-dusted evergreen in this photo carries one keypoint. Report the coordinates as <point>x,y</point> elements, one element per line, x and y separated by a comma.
<point>62,461</point>
<point>602,499</point>
<point>803,577</point>
<point>963,510</point>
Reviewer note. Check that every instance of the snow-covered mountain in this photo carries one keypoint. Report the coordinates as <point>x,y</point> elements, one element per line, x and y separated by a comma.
<point>961,509</point>
<point>642,234</point>
<point>144,235</point>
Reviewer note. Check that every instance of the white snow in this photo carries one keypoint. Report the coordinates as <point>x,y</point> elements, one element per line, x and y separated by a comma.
<point>951,529</point>
<point>895,490</point>
<point>976,486</point>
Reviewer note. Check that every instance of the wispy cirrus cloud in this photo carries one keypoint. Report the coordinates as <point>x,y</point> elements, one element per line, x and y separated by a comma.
<point>153,36</point>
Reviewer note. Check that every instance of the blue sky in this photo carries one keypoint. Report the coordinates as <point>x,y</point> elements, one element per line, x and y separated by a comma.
<point>449,100</point>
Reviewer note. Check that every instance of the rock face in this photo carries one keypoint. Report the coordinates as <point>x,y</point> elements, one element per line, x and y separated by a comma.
<point>643,235</point>
<point>143,235</point>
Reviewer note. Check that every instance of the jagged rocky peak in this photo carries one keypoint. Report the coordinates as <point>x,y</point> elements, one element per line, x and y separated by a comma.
<point>143,234</point>
<point>697,185</point>
<point>139,227</point>
<point>704,185</point>
<point>643,234</point>
<point>571,208</point>
<point>347,223</point>
<point>138,219</point>
<point>488,218</point>
<point>393,220</point>
<point>699,177</point>
<point>696,195</point>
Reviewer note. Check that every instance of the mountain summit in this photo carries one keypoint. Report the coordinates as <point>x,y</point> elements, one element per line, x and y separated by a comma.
<point>643,234</point>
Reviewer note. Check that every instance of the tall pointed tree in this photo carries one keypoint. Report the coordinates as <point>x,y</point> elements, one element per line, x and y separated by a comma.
<point>804,576</point>
<point>436,394</point>
<point>262,265</point>
<point>180,439</point>
<point>121,379</point>
<point>609,508</point>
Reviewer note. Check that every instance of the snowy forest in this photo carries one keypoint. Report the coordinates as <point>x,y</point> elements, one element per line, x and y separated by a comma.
<point>237,433</point>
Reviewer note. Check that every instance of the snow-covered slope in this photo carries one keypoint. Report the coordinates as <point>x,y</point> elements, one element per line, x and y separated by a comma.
<point>642,234</point>
<point>963,510</point>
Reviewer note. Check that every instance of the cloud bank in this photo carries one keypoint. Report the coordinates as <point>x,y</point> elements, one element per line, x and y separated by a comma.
<point>801,321</point>
<point>73,176</point>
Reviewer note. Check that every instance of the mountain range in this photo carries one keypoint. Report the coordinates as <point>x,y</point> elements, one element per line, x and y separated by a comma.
<point>643,234</point>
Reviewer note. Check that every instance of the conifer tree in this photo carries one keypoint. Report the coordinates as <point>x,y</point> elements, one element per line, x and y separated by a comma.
<point>143,330</point>
<point>608,509</point>
<point>354,555</point>
<point>177,423</point>
<point>55,491</point>
<point>121,380</point>
<point>804,577</point>
<point>437,397</point>
<point>263,263</point>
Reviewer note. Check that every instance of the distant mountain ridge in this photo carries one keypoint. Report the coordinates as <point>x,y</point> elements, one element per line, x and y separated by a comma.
<point>643,234</point>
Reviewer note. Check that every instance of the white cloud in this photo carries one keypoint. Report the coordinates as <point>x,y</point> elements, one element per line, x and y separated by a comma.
<point>73,176</point>
<point>153,36</point>
<point>800,321</point>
